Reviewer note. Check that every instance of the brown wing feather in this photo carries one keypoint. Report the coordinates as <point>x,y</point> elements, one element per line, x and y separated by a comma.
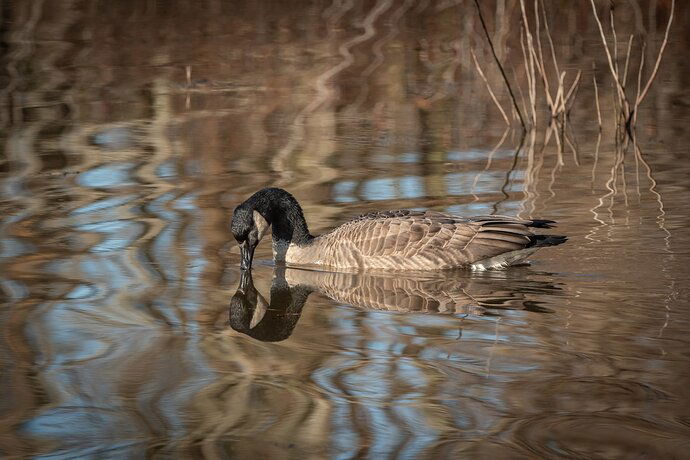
<point>434,237</point>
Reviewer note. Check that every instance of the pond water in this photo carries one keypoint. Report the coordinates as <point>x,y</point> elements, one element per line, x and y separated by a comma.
<point>130,131</point>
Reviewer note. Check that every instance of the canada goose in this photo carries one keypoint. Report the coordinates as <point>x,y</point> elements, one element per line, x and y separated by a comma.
<point>274,317</point>
<point>387,240</point>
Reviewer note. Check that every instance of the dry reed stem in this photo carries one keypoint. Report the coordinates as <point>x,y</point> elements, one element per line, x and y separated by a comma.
<point>529,57</point>
<point>521,94</point>
<point>596,97</point>
<point>500,67</point>
<point>528,76</point>
<point>573,144</point>
<point>615,39</point>
<point>627,61</point>
<point>548,35</point>
<point>559,92</point>
<point>612,67</point>
<point>488,87</point>
<point>628,113</point>
<point>574,87</point>
<point>639,79</point>
<point>641,97</point>
<point>541,66</point>
<point>539,58</point>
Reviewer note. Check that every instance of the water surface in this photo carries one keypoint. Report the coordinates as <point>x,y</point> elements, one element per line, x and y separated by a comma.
<point>130,130</point>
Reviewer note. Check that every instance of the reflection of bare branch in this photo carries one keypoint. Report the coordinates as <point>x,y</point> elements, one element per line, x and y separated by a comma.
<point>661,218</point>
<point>488,164</point>
<point>325,93</point>
<point>508,173</point>
<point>593,210</point>
<point>531,176</point>
<point>378,54</point>
<point>639,80</point>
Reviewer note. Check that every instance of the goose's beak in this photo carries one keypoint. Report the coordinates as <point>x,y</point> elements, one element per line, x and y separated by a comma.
<point>247,252</point>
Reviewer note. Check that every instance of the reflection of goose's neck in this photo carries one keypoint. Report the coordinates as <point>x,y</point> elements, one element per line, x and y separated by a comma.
<point>270,321</point>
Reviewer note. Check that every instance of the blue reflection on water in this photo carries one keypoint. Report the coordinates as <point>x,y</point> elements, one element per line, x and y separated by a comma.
<point>411,187</point>
<point>343,191</point>
<point>107,176</point>
<point>106,203</point>
<point>474,155</point>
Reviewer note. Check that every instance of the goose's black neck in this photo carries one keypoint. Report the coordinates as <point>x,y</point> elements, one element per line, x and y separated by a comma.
<point>282,211</point>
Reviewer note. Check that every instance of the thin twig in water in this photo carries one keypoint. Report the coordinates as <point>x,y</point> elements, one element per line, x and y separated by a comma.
<point>548,35</point>
<point>596,97</point>
<point>488,87</point>
<point>641,97</point>
<point>615,39</point>
<point>627,61</point>
<point>574,87</point>
<point>612,68</point>
<point>528,55</point>
<point>500,67</point>
<point>639,80</point>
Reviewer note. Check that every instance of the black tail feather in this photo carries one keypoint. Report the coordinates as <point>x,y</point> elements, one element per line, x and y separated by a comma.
<point>539,241</point>
<point>542,223</point>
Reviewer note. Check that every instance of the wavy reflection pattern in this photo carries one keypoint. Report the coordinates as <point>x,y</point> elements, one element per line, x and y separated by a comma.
<point>131,129</point>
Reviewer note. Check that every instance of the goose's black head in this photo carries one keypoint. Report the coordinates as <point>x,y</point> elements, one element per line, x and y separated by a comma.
<point>248,227</point>
<point>268,207</point>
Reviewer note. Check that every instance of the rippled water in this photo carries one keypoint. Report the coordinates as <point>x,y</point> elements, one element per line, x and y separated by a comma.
<point>130,130</point>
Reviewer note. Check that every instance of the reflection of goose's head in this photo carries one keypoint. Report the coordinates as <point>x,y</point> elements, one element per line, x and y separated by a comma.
<point>271,321</point>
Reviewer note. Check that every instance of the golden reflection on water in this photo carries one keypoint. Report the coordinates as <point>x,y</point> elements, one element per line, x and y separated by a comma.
<point>130,130</point>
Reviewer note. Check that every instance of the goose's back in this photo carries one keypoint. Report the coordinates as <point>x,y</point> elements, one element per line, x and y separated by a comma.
<point>421,240</point>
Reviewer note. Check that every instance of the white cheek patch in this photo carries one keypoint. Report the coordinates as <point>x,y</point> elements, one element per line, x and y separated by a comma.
<point>261,224</point>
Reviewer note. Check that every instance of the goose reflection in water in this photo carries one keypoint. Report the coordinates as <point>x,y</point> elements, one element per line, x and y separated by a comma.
<point>275,319</point>
<point>270,321</point>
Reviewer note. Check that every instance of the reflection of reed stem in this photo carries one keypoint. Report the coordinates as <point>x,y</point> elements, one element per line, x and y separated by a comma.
<point>488,164</point>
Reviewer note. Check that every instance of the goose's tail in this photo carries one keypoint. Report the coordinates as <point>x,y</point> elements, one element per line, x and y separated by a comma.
<point>540,241</point>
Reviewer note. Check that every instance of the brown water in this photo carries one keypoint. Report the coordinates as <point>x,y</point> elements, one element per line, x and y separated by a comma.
<point>130,130</point>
